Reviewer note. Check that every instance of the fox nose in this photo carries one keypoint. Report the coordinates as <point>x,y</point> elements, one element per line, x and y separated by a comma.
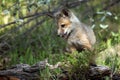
<point>58,35</point>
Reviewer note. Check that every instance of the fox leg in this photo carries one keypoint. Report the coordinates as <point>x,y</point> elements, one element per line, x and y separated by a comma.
<point>85,43</point>
<point>88,46</point>
<point>92,61</point>
<point>71,49</point>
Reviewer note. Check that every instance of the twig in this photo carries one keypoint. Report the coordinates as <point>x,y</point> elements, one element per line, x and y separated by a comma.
<point>37,14</point>
<point>18,27</point>
<point>33,27</point>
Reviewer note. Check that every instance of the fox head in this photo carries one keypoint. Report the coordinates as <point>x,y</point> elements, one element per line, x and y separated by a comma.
<point>65,21</point>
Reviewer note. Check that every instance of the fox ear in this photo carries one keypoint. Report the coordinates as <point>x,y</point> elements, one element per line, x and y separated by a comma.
<point>65,12</point>
<point>62,13</point>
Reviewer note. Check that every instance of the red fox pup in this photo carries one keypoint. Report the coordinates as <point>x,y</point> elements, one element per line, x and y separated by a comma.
<point>78,35</point>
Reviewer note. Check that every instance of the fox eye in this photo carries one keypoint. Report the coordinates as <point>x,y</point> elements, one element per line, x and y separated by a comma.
<point>63,25</point>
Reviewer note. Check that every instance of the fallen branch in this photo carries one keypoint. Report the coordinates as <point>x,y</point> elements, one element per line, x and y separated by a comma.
<point>27,72</point>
